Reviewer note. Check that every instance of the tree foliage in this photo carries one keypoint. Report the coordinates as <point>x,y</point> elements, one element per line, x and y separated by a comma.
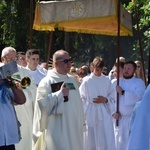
<point>140,11</point>
<point>145,24</point>
<point>15,25</point>
<point>8,15</point>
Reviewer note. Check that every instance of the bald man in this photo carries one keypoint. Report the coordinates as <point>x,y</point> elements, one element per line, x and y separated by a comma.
<point>61,108</point>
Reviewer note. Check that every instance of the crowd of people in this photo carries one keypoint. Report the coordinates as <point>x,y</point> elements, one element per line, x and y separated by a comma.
<point>69,108</point>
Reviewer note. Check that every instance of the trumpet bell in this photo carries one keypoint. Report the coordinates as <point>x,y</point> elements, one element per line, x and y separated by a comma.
<point>25,82</point>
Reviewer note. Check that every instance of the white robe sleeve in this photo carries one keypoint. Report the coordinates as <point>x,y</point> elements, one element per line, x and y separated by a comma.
<point>83,94</point>
<point>111,98</point>
<point>49,103</point>
<point>131,97</point>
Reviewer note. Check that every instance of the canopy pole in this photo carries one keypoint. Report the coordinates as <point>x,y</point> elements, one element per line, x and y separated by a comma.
<point>139,40</point>
<point>49,47</point>
<point>31,23</point>
<point>118,61</point>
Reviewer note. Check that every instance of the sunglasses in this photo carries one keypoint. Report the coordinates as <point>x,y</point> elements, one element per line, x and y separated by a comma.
<point>66,61</point>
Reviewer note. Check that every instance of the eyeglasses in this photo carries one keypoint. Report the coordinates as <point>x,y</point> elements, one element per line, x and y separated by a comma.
<point>66,61</point>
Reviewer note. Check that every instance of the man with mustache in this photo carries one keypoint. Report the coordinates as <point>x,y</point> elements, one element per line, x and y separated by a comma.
<point>130,90</point>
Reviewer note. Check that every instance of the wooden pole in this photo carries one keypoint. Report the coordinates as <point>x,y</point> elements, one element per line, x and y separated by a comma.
<point>49,47</point>
<point>118,55</point>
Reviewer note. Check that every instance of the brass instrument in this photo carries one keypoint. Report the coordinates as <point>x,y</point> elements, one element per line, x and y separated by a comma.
<point>25,82</point>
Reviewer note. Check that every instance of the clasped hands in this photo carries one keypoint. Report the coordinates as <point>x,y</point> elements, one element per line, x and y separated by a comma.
<point>100,99</point>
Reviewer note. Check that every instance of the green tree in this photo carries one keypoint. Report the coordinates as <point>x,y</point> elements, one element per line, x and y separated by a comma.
<point>141,8</point>
<point>15,23</point>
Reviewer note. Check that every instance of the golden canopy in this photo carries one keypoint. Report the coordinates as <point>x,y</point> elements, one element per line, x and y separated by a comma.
<point>82,16</point>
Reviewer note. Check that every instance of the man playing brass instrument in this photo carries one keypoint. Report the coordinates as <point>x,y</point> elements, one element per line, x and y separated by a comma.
<point>24,112</point>
<point>9,131</point>
<point>24,83</point>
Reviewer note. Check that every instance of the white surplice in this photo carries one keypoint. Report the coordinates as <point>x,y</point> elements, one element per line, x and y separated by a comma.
<point>100,134</point>
<point>63,121</point>
<point>25,112</point>
<point>37,74</point>
<point>134,89</point>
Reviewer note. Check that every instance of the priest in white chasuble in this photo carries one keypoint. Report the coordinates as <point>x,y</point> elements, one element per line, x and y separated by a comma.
<point>60,110</point>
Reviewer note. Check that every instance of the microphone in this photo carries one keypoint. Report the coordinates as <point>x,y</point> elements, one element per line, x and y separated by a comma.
<point>65,98</point>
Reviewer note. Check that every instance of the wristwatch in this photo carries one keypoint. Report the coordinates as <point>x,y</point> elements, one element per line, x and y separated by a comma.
<point>122,92</point>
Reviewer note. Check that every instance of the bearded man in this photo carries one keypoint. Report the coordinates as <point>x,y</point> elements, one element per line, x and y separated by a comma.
<point>130,90</point>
